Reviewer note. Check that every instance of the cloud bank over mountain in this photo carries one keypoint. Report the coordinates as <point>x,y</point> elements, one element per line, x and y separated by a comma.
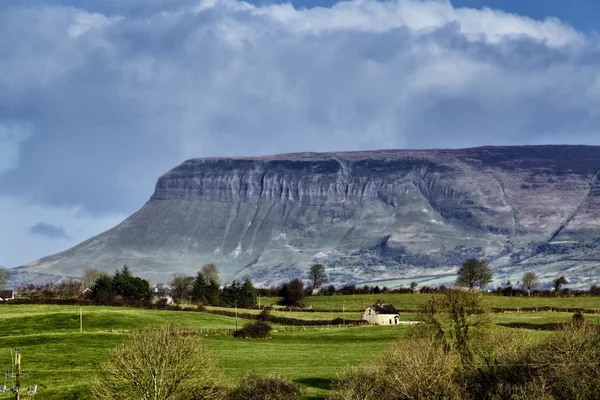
<point>99,99</point>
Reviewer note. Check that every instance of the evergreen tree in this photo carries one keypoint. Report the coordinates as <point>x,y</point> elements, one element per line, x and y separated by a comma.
<point>200,290</point>
<point>231,295</point>
<point>293,293</point>
<point>247,295</point>
<point>213,293</point>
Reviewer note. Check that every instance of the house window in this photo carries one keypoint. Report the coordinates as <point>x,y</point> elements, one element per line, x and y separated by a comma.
<point>390,321</point>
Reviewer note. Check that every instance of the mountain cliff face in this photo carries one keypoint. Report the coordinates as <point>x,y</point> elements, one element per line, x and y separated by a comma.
<point>392,216</point>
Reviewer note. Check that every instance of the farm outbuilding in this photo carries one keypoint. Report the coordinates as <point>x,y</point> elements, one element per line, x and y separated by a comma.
<point>381,314</point>
<point>7,295</point>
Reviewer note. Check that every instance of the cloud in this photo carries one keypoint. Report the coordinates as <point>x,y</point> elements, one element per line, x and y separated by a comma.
<point>11,135</point>
<point>119,92</point>
<point>49,230</point>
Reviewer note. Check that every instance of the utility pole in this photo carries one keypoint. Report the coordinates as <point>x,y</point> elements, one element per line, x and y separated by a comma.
<point>344,313</point>
<point>18,373</point>
<point>236,316</point>
<point>80,319</point>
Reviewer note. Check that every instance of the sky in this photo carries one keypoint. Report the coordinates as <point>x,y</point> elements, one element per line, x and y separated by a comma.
<point>98,98</point>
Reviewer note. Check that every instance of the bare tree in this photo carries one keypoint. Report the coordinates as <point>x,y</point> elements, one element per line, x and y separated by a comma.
<point>317,276</point>
<point>530,280</point>
<point>90,276</point>
<point>454,319</point>
<point>474,273</point>
<point>4,276</point>
<point>182,286</point>
<point>210,273</point>
<point>68,289</point>
<point>160,363</point>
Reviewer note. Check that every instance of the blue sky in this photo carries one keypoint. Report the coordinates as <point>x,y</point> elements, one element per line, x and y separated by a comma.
<point>98,98</point>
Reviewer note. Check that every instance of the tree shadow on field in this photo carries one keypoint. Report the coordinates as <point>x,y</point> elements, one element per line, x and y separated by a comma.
<point>318,383</point>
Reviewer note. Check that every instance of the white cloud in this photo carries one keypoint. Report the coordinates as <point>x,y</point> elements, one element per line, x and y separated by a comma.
<point>83,22</point>
<point>420,17</point>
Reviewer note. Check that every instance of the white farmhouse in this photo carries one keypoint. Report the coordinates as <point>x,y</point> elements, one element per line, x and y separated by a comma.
<point>381,314</point>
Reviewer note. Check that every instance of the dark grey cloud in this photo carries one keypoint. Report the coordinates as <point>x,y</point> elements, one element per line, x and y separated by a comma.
<point>49,230</point>
<point>98,100</point>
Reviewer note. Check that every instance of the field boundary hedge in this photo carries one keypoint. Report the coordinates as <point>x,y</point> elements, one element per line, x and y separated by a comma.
<point>287,320</point>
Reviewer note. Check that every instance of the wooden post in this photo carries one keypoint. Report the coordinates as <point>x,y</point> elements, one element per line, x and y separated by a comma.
<point>236,316</point>
<point>80,319</point>
<point>18,375</point>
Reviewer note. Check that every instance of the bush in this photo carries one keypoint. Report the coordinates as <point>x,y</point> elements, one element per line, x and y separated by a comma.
<point>578,319</point>
<point>266,388</point>
<point>570,362</point>
<point>566,365</point>
<point>254,330</point>
<point>264,315</point>
<point>162,362</point>
<point>411,369</point>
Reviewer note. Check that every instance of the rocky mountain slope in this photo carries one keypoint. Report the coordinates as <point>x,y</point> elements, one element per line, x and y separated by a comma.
<point>391,216</point>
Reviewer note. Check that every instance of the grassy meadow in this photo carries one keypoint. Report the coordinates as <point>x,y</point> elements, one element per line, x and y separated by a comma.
<point>62,361</point>
<point>412,301</point>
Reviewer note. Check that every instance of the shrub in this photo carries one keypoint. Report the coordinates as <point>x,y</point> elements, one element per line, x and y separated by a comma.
<point>268,387</point>
<point>570,362</point>
<point>254,330</point>
<point>159,363</point>
<point>264,315</point>
<point>566,365</point>
<point>411,369</point>
<point>502,368</point>
<point>578,319</point>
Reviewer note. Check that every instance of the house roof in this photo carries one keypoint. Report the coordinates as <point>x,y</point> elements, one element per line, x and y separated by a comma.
<point>6,294</point>
<point>385,309</point>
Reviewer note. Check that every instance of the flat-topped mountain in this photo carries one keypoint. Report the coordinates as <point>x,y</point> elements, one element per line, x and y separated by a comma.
<point>390,215</point>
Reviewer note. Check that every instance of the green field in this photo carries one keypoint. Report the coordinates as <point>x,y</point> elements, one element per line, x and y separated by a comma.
<point>63,361</point>
<point>412,301</point>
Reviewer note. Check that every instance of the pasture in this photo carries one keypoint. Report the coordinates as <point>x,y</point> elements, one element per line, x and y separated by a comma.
<point>62,361</point>
<point>412,301</point>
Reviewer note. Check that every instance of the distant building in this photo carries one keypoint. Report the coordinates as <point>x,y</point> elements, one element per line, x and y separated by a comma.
<point>381,314</point>
<point>85,293</point>
<point>7,295</point>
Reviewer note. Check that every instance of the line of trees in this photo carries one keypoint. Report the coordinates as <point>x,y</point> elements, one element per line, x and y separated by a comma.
<point>121,287</point>
<point>205,289</point>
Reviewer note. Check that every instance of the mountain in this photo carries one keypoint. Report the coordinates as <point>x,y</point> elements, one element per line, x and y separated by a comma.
<point>389,216</point>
